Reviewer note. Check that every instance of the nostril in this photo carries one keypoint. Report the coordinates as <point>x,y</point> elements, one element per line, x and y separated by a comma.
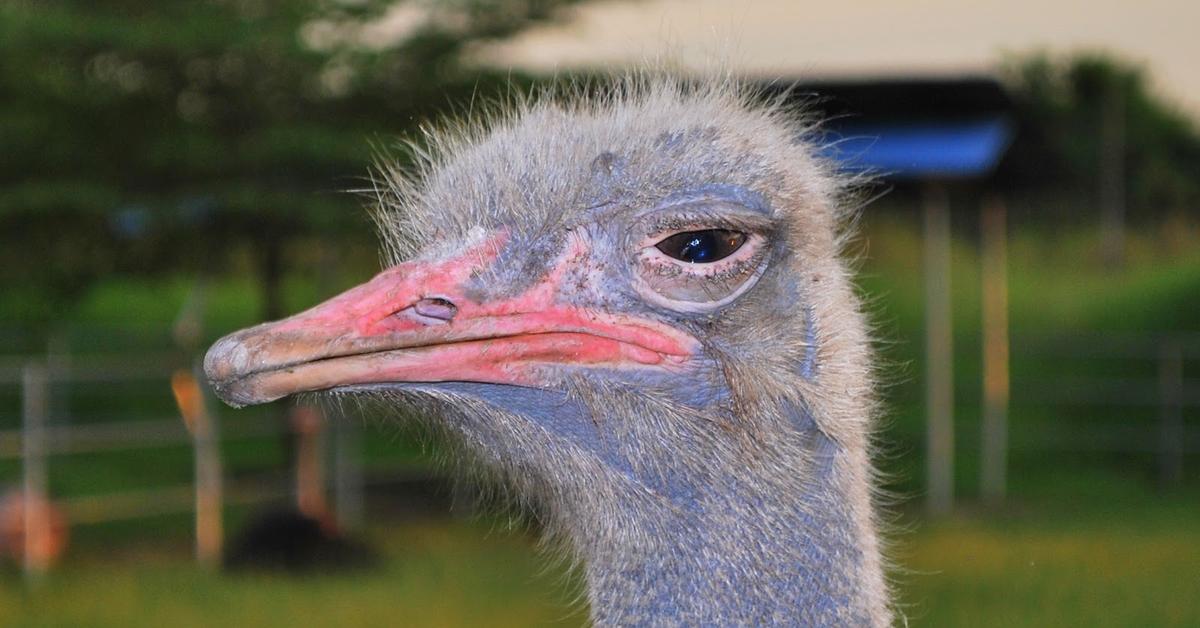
<point>435,308</point>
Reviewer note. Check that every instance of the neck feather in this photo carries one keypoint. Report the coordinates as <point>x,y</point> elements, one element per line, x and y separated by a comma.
<point>787,538</point>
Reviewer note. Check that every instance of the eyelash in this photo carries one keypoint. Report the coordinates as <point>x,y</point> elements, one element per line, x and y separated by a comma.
<point>700,221</point>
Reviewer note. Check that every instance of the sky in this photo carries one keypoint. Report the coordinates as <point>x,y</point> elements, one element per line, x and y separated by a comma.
<point>812,40</point>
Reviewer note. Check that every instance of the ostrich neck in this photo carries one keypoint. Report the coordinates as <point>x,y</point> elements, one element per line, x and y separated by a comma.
<point>792,543</point>
<point>786,538</point>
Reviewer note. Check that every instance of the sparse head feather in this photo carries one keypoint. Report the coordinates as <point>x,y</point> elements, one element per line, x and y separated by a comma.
<point>539,160</point>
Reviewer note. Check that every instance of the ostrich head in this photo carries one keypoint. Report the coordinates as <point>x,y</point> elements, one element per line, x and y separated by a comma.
<point>632,307</point>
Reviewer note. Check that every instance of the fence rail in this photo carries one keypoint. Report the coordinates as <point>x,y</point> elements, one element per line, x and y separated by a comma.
<point>1082,390</point>
<point>125,435</point>
<point>1112,439</point>
<point>1169,392</point>
<point>95,369</point>
<point>1109,345</point>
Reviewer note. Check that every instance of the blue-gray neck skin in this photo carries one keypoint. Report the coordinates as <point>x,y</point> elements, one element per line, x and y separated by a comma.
<point>772,542</point>
<point>678,523</point>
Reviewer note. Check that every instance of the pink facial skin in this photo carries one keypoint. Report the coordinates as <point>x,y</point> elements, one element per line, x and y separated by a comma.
<point>374,334</point>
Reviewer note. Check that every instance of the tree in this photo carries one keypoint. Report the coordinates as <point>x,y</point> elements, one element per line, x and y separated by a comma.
<point>1077,111</point>
<point>149,137</point>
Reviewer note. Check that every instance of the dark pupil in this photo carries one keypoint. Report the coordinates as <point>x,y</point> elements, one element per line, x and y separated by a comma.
<point>700,247</point>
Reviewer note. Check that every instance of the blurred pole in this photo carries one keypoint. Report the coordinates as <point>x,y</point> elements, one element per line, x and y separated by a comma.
<point>1112,176</point>
<point>347,435</point>
<point>939,369</point>
<point>347,474</point>
<point>33,449</point>
<point>189,396</point>
<point>994,456</point>
<point>58,366</point>
<point>1170,377</point>
<point>308,425</point>
<point>188,328</point>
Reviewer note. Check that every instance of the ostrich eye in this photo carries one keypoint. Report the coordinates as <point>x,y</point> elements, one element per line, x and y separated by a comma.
<point>701,269</point>
<point>702,247</point>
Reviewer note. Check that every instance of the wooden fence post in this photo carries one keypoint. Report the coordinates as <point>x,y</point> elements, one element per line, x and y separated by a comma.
<point>347,473</point>
<point>939,353</point>
<point>35,396</point>
<point>1170,378</point>
<point>994,453</point>
<point>189,395</point>
<point>309,427</point>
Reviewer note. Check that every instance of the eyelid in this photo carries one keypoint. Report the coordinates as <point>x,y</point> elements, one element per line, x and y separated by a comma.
<point>662,229</point>
<point>670,283</point>
<point>703,217</point>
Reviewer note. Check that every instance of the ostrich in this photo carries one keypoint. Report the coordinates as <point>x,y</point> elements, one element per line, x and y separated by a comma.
<point>632,307</point>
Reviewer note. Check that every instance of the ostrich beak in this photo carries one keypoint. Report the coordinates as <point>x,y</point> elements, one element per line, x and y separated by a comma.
<point>418,322</point>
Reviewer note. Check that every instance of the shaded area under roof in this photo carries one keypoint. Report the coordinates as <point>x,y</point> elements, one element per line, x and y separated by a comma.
<point>911,128</point>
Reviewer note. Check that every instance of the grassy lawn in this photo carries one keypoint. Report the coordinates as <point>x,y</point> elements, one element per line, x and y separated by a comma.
<point>1139,567</point>
<point>1088,566</point>
<point>434,574</point>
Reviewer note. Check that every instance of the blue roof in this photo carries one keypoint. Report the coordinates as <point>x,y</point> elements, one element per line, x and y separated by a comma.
<point>956,148</point>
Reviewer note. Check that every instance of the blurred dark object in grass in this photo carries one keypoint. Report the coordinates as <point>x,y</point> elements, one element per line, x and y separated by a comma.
<point>283,539</point>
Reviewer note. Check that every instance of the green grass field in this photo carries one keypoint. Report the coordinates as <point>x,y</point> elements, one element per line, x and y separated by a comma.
<point>1135,563</point>
<point>1128,564</point>
<point>433,574</point>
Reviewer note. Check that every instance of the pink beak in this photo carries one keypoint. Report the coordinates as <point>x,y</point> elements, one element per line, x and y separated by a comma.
<point>416,322</point>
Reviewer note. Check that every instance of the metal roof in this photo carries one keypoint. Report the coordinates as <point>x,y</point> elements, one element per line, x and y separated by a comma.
<point>920,149</point>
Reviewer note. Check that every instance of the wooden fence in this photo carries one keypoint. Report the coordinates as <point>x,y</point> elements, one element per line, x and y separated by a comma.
<point>47,432</point>
<point>1164,404</point>
<point>1159,402</point>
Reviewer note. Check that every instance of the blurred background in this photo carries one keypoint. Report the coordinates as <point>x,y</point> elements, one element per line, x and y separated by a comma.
<point>173,170</point>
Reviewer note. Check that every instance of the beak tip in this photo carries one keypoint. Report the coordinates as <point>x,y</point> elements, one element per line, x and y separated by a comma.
<point>240,393</point>
<point>226,359</point>
<point>225,366</point>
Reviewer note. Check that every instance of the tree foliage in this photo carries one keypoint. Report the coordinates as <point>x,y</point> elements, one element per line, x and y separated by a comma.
<point>150,136</point>
<point>1065,103</point>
